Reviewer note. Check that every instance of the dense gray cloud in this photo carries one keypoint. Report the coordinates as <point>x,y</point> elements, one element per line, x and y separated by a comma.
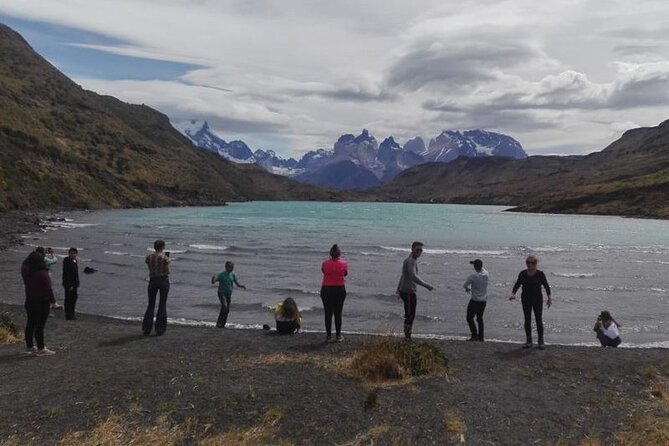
<point>567,76</point>
<point>456,64</point>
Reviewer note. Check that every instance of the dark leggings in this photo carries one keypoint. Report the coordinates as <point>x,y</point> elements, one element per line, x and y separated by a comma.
<point>606,341</point>
<point>333,304</point>
<point>38,313</point>
<point>410,301</point>
<point>535,304</point>
<point>225,298</point>
<point>70,302</point>
<point>476,308</point>
<point>157,284</point>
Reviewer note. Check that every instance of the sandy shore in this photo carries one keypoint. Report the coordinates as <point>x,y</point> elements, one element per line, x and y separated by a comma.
<point>229,378</point>
<point>223,381</point>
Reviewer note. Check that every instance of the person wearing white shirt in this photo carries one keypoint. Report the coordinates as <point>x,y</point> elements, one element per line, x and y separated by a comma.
<point>477,284</point>
<point>607,330</point>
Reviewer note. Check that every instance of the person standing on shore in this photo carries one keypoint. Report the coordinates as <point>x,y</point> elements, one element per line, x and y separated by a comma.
<point>406,288</point>
<point>159,281</point>
<point>39,298</point>
<point>477,284</point>
<point>532,279</point>
<point>333,291</point>
<point>226,282</point>
<point>607,330</point>
<point>70,283</point>
<point>50,259</point>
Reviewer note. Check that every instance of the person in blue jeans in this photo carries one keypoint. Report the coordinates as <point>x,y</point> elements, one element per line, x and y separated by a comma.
<point>226,282</point>
<point>159,281</point>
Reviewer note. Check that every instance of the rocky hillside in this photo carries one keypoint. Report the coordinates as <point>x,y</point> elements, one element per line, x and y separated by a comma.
<point>630,177</point>
<point>61,145</point>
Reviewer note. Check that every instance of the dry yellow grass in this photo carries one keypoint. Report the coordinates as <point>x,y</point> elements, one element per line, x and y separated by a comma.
<point>115,432</point>
<point>646,430</point>
<point>369,437</point>
<point>454,425</point>
<point>7,337</point>
<point>262,434</point>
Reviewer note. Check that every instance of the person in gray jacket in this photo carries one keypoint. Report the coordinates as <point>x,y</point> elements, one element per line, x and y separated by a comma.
<point>477,284</point>
<point>406,288</point>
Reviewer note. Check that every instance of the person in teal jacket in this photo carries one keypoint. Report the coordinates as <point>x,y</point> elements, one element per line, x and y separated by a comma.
<point>226,281</point>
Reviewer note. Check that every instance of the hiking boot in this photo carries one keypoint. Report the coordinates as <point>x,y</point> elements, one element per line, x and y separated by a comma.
<point>340,338</point>
<point>45,352</point>
<point>328,338</point>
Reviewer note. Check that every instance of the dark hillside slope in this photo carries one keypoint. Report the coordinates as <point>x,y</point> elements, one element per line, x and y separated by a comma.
<point>61,145</point>
<point>630,177</point>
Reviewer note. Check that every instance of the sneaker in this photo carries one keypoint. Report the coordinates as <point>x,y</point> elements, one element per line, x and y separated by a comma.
<point>30,351</point>
<point>473,338</point>
<point>541,346</point>
<point>266,327</point>
<point>45,352</point>
<point>480,339</point>
<point>527,345</point>
<point>328,338</point>
<point>340,338</point>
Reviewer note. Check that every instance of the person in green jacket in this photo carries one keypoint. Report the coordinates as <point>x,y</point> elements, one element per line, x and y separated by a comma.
<point>226,281</point>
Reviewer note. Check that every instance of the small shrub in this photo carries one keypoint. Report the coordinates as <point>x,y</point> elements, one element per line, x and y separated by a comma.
<point>394,359</point>
<point>9,332</point>
<point>650,372</point>
<point>53,412</point>
<point>372,400</point>
<point>454,425</point>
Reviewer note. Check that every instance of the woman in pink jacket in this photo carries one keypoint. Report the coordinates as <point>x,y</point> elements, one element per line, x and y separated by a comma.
<point>333,291</point>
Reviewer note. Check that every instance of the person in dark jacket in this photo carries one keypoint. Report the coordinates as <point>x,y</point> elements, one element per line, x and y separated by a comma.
<point>532,279</point>
<point>39,298</point>
<point>70,282</point>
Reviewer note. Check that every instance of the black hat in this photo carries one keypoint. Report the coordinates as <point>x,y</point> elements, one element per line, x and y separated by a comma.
<point>478,264</point>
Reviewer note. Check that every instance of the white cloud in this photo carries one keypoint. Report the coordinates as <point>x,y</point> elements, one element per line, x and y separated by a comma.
<point>561,75</point>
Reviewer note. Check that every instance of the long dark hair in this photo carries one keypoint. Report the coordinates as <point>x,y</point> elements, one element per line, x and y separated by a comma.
<point>289,307</point>
<point>606,315</point>
<point>35,261</point>
<point>335,253</point>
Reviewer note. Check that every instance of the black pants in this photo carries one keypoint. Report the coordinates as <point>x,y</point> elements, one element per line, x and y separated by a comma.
<point>606,341</point>
<point>535,304</point>
<point>157,284</point>
<point>333,304</point>
<point>38,313</point>
<point>476,308</point>
<point>70,302</point>
<point>410,301</point>
<point>286,327</point>
<point>225,299</point>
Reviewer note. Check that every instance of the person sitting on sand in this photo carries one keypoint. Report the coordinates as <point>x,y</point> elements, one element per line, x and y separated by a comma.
<point>226,281</point>
<point>39,297</point>
<point>287,316</point>
<point>607,330</point>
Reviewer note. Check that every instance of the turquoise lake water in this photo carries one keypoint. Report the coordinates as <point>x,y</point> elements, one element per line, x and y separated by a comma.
<point>592,263</point>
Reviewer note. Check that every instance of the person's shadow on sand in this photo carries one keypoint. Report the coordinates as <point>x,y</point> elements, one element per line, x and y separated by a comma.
<point>14,357</point>
<point>123,340</point>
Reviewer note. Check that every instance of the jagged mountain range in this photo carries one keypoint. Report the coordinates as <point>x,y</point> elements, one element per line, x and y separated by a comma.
<point>629,177</point>
<point>359,161</point>
<point>63,146</point>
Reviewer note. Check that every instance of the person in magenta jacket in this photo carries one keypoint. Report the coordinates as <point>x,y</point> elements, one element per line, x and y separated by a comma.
<point>39,298</point>
<point>333,291</point>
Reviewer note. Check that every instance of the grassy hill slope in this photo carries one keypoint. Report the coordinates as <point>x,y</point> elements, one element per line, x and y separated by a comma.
<point>61,145</point>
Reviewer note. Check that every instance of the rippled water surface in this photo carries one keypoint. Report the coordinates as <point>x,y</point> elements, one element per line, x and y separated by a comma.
<point>592,263</point>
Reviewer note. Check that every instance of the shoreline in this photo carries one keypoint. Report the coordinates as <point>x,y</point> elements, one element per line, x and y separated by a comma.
<point>501,393</point>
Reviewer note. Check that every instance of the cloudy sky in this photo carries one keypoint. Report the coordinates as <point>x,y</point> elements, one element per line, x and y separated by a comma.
<point>562,77</point>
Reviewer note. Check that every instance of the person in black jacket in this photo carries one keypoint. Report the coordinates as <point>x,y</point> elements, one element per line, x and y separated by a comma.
<point>70,282</point>
<point>532,299</point>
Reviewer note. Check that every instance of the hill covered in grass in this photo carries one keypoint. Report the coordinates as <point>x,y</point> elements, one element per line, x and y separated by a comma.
<point>630,177</point>
<point>63,146</point>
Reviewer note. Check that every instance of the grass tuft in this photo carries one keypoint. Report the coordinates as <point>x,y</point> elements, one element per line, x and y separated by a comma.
<point>381,360</point>
<point>454,425</point>
<point>645,429</point>
<point>9,332</point>
<point>650,372</point>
